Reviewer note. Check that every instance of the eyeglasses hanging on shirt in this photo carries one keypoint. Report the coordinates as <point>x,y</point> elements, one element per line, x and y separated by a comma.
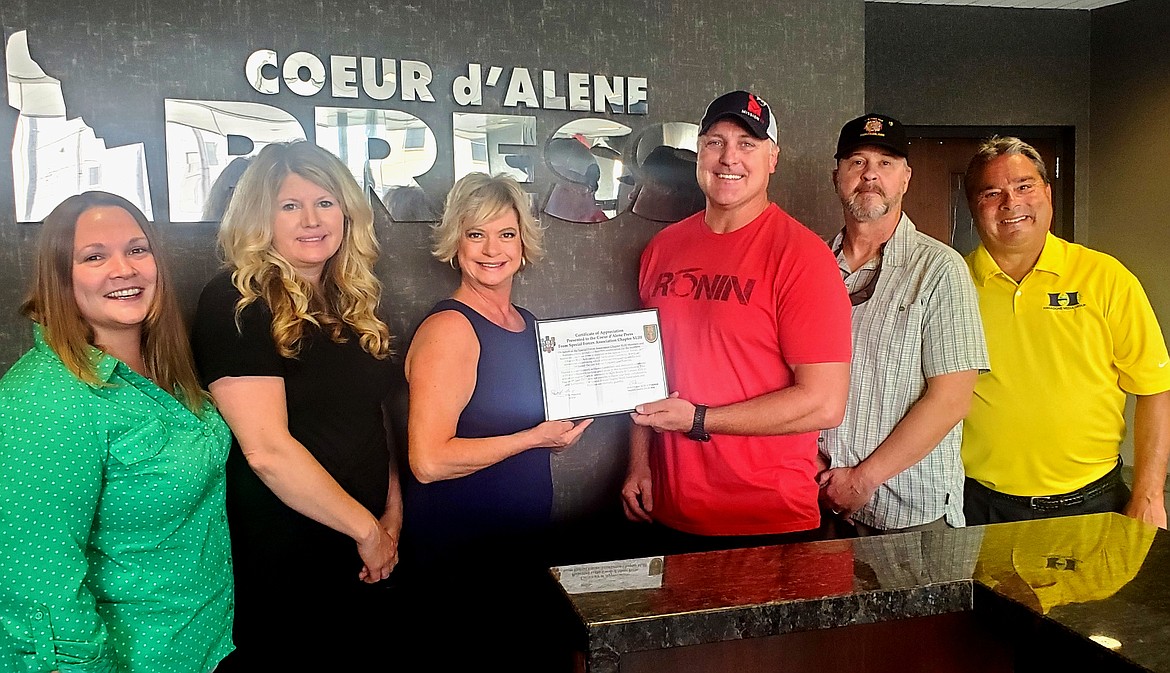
<point>862,294</point>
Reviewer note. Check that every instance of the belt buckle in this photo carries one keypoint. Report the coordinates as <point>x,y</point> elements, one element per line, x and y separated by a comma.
<point>1040,502</point>
<point>1055,502</point>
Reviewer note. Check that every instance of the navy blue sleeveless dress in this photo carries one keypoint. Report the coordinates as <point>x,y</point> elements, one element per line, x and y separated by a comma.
<point>503,507</point>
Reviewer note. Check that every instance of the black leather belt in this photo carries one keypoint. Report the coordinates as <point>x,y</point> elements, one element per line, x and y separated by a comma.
<point>1071,499</point>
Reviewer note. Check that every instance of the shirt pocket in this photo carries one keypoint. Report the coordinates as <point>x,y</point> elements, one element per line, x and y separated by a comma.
<point>140,443</point>
<point>899,350</point>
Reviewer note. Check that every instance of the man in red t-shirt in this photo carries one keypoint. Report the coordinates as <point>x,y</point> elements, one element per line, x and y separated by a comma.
<point>756,335</point>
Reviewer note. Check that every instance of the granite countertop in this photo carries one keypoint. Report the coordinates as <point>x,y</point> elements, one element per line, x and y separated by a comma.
<point>1098,580</point>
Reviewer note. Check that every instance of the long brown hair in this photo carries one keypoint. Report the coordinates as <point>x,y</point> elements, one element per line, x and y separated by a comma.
<point>51,303</point>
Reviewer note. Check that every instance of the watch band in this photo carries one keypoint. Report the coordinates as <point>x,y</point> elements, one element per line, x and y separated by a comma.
<point>697,431</point>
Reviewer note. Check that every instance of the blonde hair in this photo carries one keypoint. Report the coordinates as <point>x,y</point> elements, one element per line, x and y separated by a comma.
<point>51,303</point>
<point>478,198</point>
<point>350,291</point>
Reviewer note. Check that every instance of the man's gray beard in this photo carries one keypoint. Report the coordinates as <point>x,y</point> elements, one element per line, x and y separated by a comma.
<point>856,207</point>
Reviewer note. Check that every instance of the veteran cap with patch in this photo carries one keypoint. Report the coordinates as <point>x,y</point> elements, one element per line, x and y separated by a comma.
<point>873,129</point>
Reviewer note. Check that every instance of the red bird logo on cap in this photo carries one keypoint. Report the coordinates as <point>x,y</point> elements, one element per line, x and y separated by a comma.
<point>753,106</point>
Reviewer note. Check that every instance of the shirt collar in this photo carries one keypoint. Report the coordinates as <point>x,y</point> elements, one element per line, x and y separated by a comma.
<point>105,363</point>
<point>1052,260</point>
<point>1053,256</point>
<point>894,252</point>
<point>836,246</point>
<point>897,250</point>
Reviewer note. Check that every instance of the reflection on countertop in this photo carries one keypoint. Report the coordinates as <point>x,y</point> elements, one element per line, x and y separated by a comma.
<point>1096,580</point>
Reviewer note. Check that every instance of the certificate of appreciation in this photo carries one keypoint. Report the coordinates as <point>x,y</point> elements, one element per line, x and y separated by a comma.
<point>600,364</point>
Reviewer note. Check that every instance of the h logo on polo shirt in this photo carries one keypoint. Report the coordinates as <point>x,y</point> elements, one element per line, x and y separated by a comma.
<point>1063,300</point>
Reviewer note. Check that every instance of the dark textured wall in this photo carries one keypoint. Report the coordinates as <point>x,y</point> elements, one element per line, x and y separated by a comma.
<point>119,59</point>
<point>1131,141</point>
<point>982,66</point>
<point>1130,192</point>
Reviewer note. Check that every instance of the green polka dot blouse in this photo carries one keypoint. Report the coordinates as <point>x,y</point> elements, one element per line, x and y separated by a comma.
<point>114,552</point>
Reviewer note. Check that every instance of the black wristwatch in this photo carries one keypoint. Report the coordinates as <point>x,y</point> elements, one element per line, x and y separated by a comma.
<point>697,432</point>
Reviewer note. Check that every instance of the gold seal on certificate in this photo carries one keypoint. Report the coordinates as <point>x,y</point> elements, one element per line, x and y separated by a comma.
<point>600,364</point>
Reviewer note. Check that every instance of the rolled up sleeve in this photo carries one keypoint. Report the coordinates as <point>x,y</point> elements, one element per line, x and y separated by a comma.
<point>52,468</point>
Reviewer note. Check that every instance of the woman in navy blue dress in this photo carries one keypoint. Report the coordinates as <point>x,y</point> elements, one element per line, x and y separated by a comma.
<point>480,490</point>
<point>479,444</point>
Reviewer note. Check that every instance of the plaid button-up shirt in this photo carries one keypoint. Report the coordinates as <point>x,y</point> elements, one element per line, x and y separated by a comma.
<point>922,321</point>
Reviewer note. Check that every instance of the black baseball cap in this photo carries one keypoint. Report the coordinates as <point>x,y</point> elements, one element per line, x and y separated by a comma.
<point>751,110</point>
<point>873,129</point>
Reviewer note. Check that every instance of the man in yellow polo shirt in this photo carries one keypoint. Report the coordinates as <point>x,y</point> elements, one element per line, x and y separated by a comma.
<point>1070,333</point>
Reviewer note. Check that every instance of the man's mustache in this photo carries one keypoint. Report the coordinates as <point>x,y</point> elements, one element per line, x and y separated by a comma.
<point>875,189</point>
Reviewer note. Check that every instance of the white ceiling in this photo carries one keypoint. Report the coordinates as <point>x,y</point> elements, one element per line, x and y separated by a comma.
<point>1027,4</point>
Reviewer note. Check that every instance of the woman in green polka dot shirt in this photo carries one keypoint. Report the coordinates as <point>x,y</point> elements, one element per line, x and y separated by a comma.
<point>114,552</point>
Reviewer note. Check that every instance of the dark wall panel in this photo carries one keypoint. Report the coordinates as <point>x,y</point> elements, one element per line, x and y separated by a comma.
<point>1131,141</point>
<point>982,66</point>
<point>118,61</point>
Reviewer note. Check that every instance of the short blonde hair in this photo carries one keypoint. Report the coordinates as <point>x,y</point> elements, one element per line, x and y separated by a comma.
<point>478,198</point>
<point>350,291</point>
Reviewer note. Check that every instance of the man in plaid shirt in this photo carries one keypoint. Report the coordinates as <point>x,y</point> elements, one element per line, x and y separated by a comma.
<point>893,464</point>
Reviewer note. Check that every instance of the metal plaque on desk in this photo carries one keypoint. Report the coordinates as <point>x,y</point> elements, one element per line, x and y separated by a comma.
<point>585,578</point>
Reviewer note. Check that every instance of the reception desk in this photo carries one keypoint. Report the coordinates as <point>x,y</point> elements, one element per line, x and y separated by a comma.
<point>1080,593</point>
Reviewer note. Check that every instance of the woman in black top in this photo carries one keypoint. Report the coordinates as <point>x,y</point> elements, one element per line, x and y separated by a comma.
<point>288,343</point>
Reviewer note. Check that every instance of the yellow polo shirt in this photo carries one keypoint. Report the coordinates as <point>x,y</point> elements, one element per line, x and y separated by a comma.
<point>1066,344</point>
